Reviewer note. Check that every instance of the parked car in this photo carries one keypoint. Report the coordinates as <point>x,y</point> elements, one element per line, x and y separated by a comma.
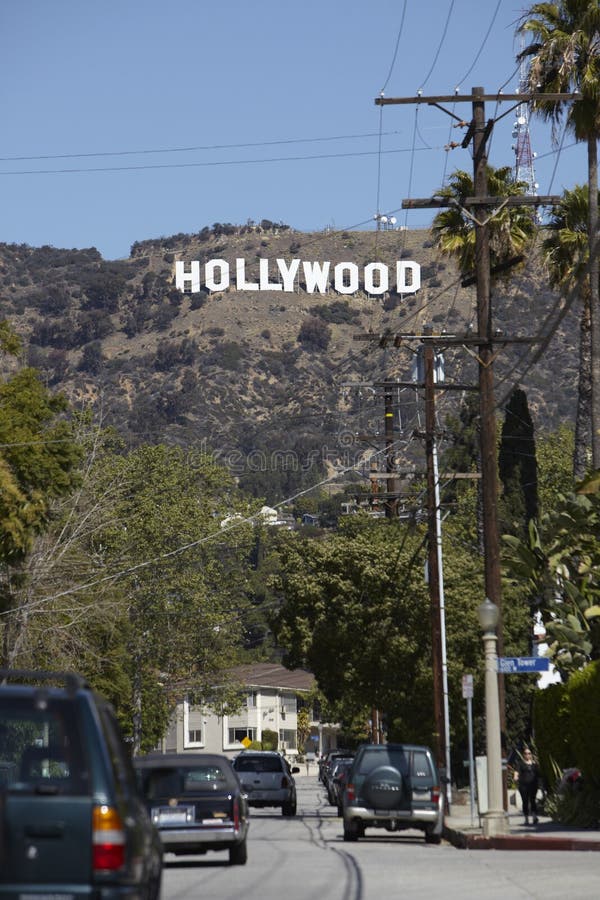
<point>197,803</point>
<point>338,782</point>
<point>325,759</point>
<point>393,786</point>
<point>329,772</point>
<point>268,780</point>
<point>73,823</point>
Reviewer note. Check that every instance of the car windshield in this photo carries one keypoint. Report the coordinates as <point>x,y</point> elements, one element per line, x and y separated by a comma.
<point>258,764</point>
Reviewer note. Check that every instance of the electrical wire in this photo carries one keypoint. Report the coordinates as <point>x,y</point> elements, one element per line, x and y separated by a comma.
<point>392,64</point>
<point>442,39</point>
<point>198,148</point>
<point>483,43</point>
<point>207,164</point>
<point>238,523</point>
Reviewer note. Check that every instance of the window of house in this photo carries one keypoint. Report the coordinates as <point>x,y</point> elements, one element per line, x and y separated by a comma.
<point>237,735</point>
<point>252,699</point>
<point>287,739</point>
<point>289,703</point>
<point>193,726</point>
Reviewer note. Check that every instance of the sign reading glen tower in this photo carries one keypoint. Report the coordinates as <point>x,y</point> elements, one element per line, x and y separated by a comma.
<point>281,275</point>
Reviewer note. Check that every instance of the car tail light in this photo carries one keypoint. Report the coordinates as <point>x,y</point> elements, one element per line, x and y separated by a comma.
<point>435,795</point>
<point>285,782</point>
<point>108,840</point>
<point>350,792</point>
<point>236,813</point>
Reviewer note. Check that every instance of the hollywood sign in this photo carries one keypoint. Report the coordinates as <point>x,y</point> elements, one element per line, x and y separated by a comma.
<point>345,277</point>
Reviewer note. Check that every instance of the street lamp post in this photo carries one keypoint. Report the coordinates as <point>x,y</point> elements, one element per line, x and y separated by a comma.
<point>495,820</point>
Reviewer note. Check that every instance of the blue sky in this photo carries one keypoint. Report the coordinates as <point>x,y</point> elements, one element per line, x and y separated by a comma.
<point>276,99</point>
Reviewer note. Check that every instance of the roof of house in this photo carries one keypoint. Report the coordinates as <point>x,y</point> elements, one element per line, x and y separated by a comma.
<point>273,675</point>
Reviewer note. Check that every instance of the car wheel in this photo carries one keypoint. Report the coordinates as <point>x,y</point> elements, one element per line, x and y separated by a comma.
<point>289,809</point>
<point>384,788</point>
<point>353,831</point>
<point>154,885</point>
<point>432,838</point>
<point>340,810</point>
<point>238,854</point>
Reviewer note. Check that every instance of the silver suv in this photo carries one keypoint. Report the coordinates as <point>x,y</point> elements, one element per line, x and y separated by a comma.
<point>268,780</point>
<point>393,786</point>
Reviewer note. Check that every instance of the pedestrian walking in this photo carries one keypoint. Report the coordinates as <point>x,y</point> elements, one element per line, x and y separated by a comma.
<point>527,777</point>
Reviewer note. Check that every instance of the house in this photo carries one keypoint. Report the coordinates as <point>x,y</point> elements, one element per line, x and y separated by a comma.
<point>272,697</point>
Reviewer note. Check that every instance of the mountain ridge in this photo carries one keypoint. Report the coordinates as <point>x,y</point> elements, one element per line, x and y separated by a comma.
<point>270,372</point>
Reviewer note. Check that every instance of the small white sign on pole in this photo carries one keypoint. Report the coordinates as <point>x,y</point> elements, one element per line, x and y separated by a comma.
<point>467,686</point>
<point>467,692</point>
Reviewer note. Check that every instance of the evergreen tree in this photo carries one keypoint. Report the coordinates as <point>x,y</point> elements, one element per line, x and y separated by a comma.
<point>517,465</point>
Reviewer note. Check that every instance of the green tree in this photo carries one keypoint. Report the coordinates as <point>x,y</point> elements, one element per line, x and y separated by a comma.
<point>517,465</point>
<point>181,577</point>
<point>510,229</point>
<point>355,611</point>
<point>303,727</point>
<point>566,249</point>
<point>565,57</point>
<point>135,583</point>
<point>559,564</point>
<point>39,455</point>
<point>554,452</point>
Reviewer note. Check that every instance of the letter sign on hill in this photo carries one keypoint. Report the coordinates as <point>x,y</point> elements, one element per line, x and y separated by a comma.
<point>280,275</point>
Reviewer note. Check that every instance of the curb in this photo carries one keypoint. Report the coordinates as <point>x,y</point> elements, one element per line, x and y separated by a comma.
<point>466,841</point>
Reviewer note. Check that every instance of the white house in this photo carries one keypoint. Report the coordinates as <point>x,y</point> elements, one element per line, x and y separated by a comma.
<point>273,696</point>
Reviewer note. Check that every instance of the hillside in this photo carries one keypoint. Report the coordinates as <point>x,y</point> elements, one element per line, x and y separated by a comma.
<point>264,379</point>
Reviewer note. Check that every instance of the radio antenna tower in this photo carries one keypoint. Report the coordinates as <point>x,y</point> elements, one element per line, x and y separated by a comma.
<point>524,170</point>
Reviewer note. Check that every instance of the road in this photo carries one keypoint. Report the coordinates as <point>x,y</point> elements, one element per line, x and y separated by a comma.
<point>305,858</point>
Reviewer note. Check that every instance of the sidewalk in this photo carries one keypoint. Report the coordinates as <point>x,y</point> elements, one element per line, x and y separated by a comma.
<point>546,835</point>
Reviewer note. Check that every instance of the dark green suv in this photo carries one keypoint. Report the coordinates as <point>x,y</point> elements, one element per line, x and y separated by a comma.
<point>72,823</point>
<point>393,786</point>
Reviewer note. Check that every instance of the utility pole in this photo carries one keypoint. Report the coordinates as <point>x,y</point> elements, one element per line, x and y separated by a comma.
<point>391,506</point>
<point>433,566</point>
<point>480,209</point>
<point>487,404</point>
<point>426,381</point>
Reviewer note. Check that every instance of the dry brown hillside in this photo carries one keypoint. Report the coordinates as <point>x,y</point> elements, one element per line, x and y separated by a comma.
<point>268,380</point>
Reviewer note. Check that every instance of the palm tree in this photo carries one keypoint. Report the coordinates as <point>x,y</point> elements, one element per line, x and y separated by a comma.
<point>510,229</point>
<point>566,249</point>
<point>565,57</point>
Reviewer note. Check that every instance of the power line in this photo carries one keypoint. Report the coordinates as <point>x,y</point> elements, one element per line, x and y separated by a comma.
<point>442,39</point>
<point>208,164</point>
<point>385,84</point>
<point>238,523</point>
<point>483,43</point>
<point>198,148</point>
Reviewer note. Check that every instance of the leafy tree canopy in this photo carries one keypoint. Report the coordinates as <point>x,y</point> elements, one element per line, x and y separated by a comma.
<point>38,454</point>
<point>510,230</point>
<point>559,562</point>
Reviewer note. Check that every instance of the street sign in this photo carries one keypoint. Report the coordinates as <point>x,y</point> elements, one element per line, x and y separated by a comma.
<point>518,665</point>
<point>467,686</point>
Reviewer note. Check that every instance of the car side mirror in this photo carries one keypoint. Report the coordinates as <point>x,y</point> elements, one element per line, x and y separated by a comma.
<point>295,770</point>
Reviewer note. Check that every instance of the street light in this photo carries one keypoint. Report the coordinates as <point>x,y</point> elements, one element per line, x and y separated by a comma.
<point>495,820</point>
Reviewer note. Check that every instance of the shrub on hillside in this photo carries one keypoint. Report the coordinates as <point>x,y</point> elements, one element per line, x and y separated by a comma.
<point>314,334</point>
